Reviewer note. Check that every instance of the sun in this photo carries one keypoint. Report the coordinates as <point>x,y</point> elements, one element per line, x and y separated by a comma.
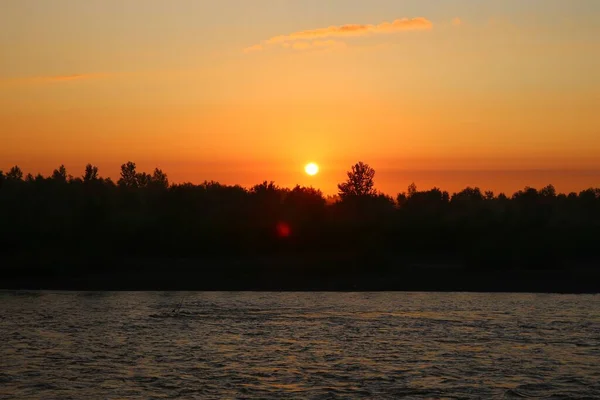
<point>311,169</point>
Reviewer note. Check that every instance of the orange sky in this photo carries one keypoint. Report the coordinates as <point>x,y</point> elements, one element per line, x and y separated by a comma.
<point>437,92</point>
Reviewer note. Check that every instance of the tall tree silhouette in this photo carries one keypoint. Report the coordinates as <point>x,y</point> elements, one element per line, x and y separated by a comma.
<point>128,175</point>
<point>15,174</point>
<point>359,183</point>
<point>159,179</point>
<point>91,173</point>
<point>60,174</point>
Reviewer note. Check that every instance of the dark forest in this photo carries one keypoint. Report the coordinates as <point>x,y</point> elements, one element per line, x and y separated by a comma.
<point>60,224</point>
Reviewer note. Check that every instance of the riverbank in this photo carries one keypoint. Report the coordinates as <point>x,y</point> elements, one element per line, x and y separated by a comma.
<point>290,274</point>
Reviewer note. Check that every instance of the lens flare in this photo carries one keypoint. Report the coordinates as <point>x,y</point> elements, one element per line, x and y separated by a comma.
<point>283,230</point>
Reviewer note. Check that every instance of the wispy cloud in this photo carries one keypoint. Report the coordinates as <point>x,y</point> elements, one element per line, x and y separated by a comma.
<point>315,44</point>
<point>404,24</point>
<point>349,30</point>
<point>47,79</point>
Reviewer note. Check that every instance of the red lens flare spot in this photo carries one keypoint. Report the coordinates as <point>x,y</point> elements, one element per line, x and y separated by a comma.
<point>283,230</point>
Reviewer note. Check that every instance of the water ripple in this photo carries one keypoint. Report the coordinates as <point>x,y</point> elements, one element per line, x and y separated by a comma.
<point>298,345</point>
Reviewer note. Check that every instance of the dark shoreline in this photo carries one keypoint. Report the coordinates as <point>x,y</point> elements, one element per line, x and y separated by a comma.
<point>285,274</point>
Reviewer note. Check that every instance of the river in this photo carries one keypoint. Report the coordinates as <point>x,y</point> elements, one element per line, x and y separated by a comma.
<point>217,345</point>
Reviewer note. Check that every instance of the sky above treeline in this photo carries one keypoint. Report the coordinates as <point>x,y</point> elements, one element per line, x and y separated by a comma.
<point>496,93</point>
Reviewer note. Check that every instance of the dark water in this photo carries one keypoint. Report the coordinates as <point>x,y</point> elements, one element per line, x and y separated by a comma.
<point>298,345</point>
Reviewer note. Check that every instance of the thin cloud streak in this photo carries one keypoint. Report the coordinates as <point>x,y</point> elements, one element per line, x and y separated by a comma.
<point>316,44</point>
<point>398,25</point>
<point>348,30</point>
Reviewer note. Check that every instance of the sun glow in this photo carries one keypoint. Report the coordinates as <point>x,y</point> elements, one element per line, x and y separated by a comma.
<point>311,169</point>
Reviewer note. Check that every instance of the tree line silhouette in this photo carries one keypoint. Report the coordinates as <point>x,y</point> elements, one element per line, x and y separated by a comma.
<point>144,215</point>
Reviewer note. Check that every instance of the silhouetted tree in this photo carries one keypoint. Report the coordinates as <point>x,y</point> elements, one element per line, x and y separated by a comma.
<point>468,194</point>
<point>60,174</point>
<point>360,182</point>
<point>528,194</point>
<point>590,194</point>
<point>75,180</point>
<point>548,191</point>
<point>129,177</point>
<point>91,173</point>
<point>426,200</point>
<point>401,199</point>
<point>15,174</point>
<point>267,196</point>
<point>150,217</point>
<point>412,189</point>
<point>159,179</point>
<point>301,196</point>
<point>143,179</point>
<point>304,203</point>
<point>264,188</point>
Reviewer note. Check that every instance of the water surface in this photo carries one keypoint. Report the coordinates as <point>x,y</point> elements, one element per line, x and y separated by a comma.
<point>298,345</point>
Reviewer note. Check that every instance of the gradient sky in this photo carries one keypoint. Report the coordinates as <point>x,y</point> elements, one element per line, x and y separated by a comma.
<point>499,94</point>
